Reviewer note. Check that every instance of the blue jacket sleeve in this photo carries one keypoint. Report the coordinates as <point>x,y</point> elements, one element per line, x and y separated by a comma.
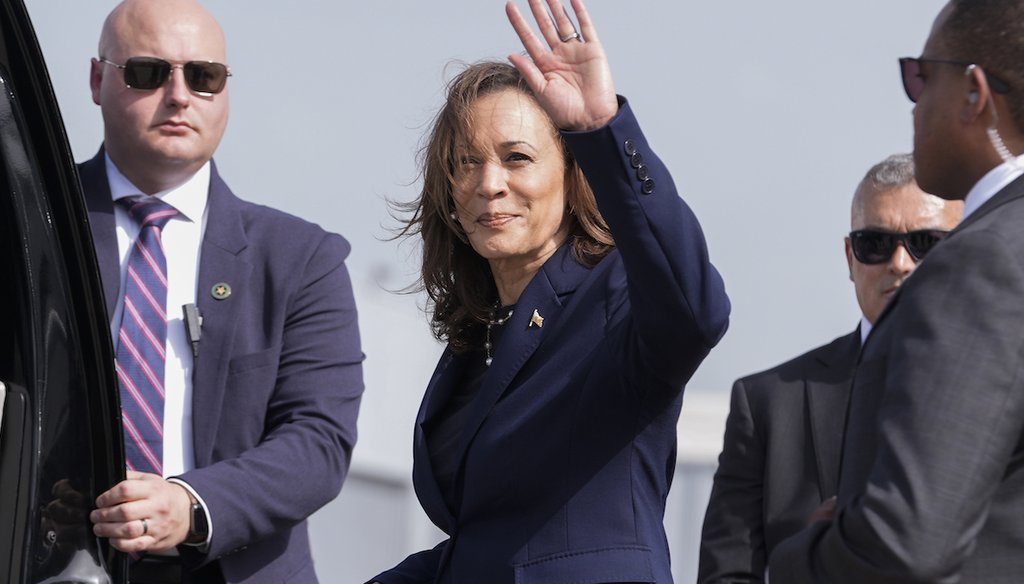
<point>419,568</point>
<point>677,298</point>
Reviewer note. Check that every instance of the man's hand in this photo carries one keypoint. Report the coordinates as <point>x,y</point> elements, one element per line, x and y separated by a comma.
<point>143,513</point>
<point>825,512</point>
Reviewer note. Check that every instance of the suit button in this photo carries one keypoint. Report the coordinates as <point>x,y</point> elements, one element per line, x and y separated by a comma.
<point>636,159</point>
<point>642,172</point>
<point>630,147</point>
<point>647,187</point>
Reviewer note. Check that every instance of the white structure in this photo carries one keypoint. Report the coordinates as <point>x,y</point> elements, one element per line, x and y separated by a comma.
<point>376,521</point>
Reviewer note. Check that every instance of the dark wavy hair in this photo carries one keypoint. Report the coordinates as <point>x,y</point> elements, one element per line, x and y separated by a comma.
<point>458,281</point>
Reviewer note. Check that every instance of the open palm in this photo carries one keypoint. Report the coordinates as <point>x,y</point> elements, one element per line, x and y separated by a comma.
<point>571,78</point>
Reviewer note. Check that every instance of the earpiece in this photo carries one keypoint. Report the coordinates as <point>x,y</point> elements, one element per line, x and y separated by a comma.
<point>972,97</point>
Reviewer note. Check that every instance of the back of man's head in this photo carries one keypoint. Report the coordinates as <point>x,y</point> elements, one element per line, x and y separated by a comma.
<point>991,34</point>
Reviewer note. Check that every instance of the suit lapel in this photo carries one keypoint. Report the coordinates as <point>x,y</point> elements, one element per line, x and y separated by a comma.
<point>220,261</point>
<point>560,275</point>
<point>449,373</point>
<point>828,397</point>
<point>93,176</point>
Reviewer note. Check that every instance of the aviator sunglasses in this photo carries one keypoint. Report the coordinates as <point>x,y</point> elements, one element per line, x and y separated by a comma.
<point>913,81</point>
<point>871,246</point>
<point>144,73</point>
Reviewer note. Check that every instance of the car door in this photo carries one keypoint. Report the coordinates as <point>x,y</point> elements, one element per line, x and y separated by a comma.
<point>60,441</point>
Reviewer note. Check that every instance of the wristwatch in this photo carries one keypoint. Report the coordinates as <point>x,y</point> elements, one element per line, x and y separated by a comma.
<point>198,529</point>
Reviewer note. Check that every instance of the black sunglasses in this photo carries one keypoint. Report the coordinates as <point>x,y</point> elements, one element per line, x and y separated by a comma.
<point>147,73</point>
<point>913,81</point>
<point>871,246</point>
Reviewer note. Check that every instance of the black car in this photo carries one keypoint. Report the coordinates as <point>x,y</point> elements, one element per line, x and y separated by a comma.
<point>60,437</point>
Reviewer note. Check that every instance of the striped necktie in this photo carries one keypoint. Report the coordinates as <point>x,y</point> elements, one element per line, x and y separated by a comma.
<point>143,335</point>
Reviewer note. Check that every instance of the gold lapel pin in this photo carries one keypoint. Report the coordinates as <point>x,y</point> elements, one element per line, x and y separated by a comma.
<point>536,320</point>
<point>220,290</point>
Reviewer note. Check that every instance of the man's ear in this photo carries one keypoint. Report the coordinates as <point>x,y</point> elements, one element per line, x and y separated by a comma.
<point>849,256</point>
<point>95,79</point>
<point>978,94</point>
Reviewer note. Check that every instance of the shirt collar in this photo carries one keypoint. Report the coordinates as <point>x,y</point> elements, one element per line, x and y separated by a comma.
<point>865,329</point>
<point>990,184</point>
<point>189,198</point>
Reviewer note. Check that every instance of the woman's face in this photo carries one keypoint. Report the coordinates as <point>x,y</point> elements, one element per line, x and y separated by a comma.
<point>510,182</point>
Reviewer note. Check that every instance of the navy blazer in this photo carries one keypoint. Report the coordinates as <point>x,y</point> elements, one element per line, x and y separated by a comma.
<point>276,385</point>
<point>779,461</point>
<point>567,461</point>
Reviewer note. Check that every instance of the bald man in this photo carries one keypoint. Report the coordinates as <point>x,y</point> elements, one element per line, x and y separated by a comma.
<point>234,325</point>
<point>785,428</point>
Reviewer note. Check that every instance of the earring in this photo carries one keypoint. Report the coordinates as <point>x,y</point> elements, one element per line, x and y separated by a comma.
<point>454,216</point>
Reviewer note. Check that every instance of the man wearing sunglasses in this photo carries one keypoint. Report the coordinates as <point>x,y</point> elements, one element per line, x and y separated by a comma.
<point>931,482</point>
<point>234,325</point>
<point>784,433</point>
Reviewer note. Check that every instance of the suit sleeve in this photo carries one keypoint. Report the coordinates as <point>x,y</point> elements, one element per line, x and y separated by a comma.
<point>677,298</point>
<point>301,460</point>
<point>732,547</point>
<point>419,568</point>
<point>949,422</point>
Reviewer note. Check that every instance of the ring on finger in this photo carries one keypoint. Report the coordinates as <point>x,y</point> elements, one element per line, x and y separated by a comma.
<point>145,526</point>
<point>575,35</point>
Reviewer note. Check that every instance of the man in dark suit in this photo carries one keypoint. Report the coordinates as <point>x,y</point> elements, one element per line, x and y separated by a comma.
<point>932,476</point>
<point>239,410</point>
<point>784,433</point>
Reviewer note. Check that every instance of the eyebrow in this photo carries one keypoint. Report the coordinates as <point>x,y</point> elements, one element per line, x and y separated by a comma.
<point>505,144</point>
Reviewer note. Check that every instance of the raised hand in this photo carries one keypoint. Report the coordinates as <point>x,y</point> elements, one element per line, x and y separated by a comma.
<point>570,76</point>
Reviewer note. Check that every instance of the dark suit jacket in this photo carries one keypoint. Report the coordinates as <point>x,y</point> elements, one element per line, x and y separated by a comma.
<point>567,461</point>
<point>932,477</point>
<point>278,379</point>
<point>779,461</point>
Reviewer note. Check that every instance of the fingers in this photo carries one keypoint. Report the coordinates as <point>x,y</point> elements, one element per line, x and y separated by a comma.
<point>138,485</point>
<point>129,527</point>
<point>586,24</point>
<point>534,78</point>
<point>144,512</point>
<point>123,512</point>
<point>552,20</point>
<point>530,41</point>
<point>563,23</point>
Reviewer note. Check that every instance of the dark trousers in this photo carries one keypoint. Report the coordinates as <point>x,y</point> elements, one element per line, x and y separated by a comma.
<point>168,570</point>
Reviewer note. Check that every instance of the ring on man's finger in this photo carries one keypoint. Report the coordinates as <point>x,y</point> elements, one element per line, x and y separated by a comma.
<point>575,35</point>
<point>145,526</point>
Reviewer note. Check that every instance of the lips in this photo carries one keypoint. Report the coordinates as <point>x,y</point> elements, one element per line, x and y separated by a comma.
<point>894,286</point>
<point>175,126</point>
<point>494,220</point>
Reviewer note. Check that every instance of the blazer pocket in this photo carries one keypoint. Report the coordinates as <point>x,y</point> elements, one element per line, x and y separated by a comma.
<point>251,381</point>
<point>600,566</point>
<point>265,358</point>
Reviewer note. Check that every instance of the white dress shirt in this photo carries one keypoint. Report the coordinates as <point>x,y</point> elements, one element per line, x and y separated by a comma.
<point>990,184</point>
<point>182,238</point>
<point>865,329</point>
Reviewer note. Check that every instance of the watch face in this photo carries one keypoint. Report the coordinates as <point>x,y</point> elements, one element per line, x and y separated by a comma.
<point>198,527</point>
